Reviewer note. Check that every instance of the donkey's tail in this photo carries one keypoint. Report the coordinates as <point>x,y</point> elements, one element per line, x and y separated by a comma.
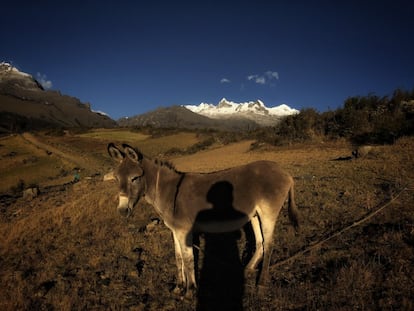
<point>292,209</point>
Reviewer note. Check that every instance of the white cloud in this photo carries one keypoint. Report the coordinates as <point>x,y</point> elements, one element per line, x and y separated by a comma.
<point>42,79</point>
<point>265,78</point>
<point>257,79</point>
<point>260,80</point>
<point>251,77</point>
<point>272,75</point>
<point>225,80</point>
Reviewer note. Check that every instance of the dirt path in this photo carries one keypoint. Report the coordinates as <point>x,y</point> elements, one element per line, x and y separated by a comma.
<point>76,160</point>
<point>215,159</point>
<point>240,153</point>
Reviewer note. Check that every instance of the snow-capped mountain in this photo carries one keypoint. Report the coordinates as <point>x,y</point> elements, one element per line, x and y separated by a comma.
<point>18,78</point>
<point>8,68</point>
<point>254,110</point>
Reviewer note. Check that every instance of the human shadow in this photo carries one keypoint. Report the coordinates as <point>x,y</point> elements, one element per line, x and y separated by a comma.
<point>221,278</point>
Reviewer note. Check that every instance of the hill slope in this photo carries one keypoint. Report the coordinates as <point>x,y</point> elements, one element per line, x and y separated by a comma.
<point>181,117</point>
<point>227,115</point>
<point>25,105</point>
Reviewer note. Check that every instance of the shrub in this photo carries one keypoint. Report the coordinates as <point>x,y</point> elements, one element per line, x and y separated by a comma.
<point>362,119</point>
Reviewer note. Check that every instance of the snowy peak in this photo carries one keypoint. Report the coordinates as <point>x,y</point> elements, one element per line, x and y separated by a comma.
<point>253,110</point>
<point>18,78</point>
<point>224,103</point>
<point>257,107</point>
<point>226,108</point>
<point>7,68</point>
<point>283,110</point>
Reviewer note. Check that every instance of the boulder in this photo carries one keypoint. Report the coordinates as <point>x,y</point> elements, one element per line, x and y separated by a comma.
<point>30,193</point>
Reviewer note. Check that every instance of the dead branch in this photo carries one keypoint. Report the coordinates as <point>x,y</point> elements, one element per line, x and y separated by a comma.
<point>318,244</point>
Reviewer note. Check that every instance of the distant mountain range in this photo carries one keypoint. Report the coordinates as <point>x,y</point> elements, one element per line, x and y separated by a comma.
<point>181,117</point>
<point>25,105</point>
<point>226,115</point>
<point>253,110</point>
<point>226,108</point>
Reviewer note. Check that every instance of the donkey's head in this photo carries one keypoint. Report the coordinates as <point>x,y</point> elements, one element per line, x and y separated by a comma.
<point>130,176</point>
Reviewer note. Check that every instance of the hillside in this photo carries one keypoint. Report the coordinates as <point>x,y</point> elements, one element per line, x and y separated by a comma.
<point>68,249</point>
<point>181,117</point>
<point>25,105</point>
<point>227,116</point>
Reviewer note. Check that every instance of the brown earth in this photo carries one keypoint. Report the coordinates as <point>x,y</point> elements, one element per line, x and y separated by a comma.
<point>68,249</point>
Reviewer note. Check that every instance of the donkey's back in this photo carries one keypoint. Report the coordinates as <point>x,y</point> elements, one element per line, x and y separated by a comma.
<point>231,197</point>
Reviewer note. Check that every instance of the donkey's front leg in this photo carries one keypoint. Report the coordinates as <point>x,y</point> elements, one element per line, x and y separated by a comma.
<point>180,286</point>
<point>185,243</point>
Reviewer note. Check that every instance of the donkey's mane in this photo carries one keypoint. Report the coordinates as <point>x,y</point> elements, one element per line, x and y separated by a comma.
<point>159,162</point>
<point>166,164</point>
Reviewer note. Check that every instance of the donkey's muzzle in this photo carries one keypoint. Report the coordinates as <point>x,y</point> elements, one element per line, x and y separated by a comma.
<point>124,211</point>
<point>123,206</point>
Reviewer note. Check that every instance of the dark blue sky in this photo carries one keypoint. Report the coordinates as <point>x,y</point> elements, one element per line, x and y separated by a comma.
<point>129,57</point>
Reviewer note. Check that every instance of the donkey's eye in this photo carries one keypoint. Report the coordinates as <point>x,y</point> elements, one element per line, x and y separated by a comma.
<point>135,178</point>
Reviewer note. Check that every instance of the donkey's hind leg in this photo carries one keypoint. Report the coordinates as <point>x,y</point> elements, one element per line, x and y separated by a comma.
<point>268,217</point>
<point>258,253</point>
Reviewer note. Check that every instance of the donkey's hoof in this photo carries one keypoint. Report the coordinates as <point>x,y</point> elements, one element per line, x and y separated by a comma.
<point>190,293</point>
<point>248,273</point>
<point>178,291</point>
<point>182,293</point>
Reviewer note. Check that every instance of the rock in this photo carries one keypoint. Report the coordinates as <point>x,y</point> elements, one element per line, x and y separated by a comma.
<point>362,151</point>
<point>30,193</point>
<point>109,176</point>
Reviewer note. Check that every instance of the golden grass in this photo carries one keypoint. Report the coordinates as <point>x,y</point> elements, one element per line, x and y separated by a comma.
<point>21,160</point>
<point>115,135</point>
<point>149,146</point>
<point>70,249</point>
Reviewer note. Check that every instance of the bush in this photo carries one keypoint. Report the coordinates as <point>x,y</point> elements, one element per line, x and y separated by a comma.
<point>192,149</point>
<point>306,125</point>
<point>362,120</point>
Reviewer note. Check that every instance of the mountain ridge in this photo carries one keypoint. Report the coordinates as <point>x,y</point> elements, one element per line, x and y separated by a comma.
<point>226,115</point>
<point>255,111</point>
<point>26,105</point>
<point>226,107</point>
<point>180,117</point>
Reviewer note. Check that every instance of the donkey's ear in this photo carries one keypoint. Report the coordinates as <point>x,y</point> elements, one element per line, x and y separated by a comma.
<point>131,153</point>
<point>115,153</point>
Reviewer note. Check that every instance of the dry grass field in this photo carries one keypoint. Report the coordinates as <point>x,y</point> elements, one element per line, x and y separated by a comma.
<point>68,249</point>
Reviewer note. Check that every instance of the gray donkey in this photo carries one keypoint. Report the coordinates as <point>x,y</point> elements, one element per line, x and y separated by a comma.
<point>222,201</point>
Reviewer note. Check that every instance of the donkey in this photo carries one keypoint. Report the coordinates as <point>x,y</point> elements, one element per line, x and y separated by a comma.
<point>222,201</point>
